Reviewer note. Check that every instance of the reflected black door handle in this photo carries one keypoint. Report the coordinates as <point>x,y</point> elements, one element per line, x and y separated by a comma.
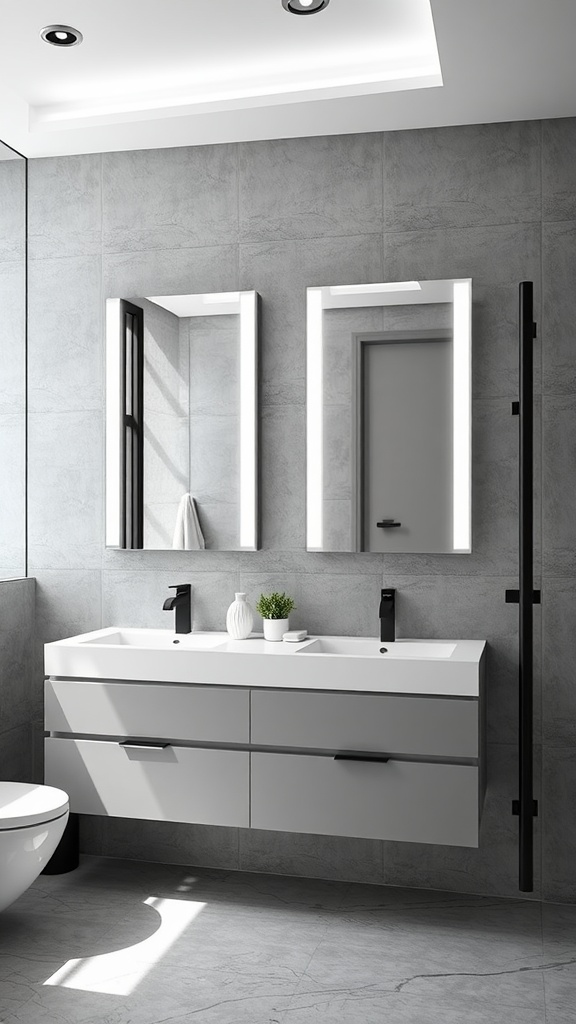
<point>380,758</point>
<point>143,745</point>
<point>385,524</point>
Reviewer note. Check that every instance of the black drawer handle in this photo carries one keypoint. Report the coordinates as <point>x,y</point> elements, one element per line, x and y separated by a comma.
<point>379,758</point>
<point>143,745</point>
<point>386,524</point>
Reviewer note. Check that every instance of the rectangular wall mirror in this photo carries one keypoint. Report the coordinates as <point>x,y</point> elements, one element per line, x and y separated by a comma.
<point>389,417</point>
<point>182,421</point>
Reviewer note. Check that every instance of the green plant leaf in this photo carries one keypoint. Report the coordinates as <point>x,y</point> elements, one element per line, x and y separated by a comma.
<point>275,606</point>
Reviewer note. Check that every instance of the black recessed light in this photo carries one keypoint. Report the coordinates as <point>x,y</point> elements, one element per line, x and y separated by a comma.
<point>61,35</point>
<point>304,6</point>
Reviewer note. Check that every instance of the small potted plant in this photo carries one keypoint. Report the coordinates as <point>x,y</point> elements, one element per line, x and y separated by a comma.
<point>275,609</point>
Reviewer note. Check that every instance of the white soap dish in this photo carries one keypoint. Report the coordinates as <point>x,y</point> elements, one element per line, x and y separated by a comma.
<point>295,636</point>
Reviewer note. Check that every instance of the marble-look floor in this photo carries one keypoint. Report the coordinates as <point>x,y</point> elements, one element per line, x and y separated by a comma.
<point>120,942</point>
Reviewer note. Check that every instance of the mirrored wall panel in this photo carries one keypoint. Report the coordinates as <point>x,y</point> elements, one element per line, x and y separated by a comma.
<point>389,417</point>
<point>182,421</point>
<point>12,363</point>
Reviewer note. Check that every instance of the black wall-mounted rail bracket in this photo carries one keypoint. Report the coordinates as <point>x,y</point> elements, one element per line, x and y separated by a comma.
<point>513,596</point>
<point>386,524</point>
<point>515,408</point>
<point>516,808</point>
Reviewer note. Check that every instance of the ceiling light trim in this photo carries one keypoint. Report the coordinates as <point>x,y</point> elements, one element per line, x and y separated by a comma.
<point>63,36</point>
<point>300,7</point>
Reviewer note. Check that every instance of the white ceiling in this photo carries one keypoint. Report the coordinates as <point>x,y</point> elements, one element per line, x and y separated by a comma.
<point>153,73</point>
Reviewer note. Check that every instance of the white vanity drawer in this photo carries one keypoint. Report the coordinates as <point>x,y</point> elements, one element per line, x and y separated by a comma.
<point>425,726</point>
<point>192,713</point>
<point>401,800</point>
<point>206,787</point>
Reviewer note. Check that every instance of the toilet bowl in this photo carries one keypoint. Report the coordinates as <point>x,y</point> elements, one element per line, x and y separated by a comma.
<point>32,820</point>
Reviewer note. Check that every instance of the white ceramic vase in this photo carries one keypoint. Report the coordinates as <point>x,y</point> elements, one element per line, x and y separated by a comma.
<point>274,629</point>
<point>239,618</point>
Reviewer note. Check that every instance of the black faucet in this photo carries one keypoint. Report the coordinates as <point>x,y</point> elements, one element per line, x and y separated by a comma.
<point>182,603</point>
<point>388,616</point>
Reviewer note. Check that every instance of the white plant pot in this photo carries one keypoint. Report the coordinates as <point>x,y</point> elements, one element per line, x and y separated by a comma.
<point>274,629</point>
<point>239,618</point>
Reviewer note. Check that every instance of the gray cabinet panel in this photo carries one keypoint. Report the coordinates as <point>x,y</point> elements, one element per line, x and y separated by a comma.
<point>400,800</point>
<point>423,726</point>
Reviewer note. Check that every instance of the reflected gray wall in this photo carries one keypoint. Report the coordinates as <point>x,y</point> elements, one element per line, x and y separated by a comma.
<point>166,404</point>
<point>496,203</point>
<point>339,391</point>
<point>215,427</point>
<point>12,363</point>
<point>18,679</point>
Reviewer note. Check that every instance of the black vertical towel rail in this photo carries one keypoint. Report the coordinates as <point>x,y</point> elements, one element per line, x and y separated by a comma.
<point>525,806</point>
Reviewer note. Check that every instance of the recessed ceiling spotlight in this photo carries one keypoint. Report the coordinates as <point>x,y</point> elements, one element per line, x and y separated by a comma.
<point>304,6</point>
<point>61,35</point>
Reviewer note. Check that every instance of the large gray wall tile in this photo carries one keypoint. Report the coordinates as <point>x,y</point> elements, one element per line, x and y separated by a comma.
<point>65,332</point>
<point>558,308</point>
<point>460,176</point>
<point>558,159</point>
<point>308,188</point>
<point>559,663</point>
<point>17,616</point>
<point>16,756</point>
<point>12,209</point>
<point>65,490</point>
<point>210,268</point>
<point>64,206</point>
<point>559,823</point>
<point>161,841</point>
<point>289,853</point>
<point>12,347</point>
<point>137,597</point>
<point>559,486</point>
<point>13,501</point>
<point>169,198</point>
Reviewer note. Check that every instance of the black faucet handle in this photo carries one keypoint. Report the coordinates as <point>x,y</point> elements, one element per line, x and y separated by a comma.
<point>181,588</point>
<point>388,593</point>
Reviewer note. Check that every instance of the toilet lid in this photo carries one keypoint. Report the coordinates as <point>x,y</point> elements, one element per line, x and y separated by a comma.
<point>23,803</point>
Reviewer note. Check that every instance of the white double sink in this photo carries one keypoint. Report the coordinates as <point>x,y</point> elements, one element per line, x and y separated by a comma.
<point>443,668</point>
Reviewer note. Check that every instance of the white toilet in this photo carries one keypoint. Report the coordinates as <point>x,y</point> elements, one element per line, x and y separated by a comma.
<point>32,821</point>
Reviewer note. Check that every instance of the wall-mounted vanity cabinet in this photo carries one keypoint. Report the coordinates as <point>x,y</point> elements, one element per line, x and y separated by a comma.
<point>182,421</point>
<point>406,766</point>
<point>389,417</point>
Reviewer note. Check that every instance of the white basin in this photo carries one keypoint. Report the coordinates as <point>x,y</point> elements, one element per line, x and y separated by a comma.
<point>155,638</point>
<point>352,664</point>
<point>358,647</point>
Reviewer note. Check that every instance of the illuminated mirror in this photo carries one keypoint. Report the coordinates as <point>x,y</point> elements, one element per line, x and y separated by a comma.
<point>389,417</point>
<point>182,421</point>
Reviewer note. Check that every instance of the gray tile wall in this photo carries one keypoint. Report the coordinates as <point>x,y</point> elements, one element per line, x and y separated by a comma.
<point>18,679</point>
<point>493,202</point>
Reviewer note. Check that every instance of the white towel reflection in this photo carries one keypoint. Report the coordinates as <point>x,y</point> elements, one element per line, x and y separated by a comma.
<point>188,534</point>
<point>120,972</point>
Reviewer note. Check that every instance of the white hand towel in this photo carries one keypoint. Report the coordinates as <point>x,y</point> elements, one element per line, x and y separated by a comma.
<point>188,534</point>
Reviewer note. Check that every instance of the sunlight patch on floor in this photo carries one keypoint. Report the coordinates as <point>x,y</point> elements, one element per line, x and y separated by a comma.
<point>121,971</point>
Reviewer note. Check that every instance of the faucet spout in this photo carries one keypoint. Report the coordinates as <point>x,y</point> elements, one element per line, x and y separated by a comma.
<point>181,603</point>
<point>387,615</point>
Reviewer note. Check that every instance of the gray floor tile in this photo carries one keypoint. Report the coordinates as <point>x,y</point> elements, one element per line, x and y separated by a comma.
<point>98,946</point>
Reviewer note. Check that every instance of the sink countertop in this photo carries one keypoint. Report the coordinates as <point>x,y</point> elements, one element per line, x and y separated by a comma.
<point>118,653</point>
